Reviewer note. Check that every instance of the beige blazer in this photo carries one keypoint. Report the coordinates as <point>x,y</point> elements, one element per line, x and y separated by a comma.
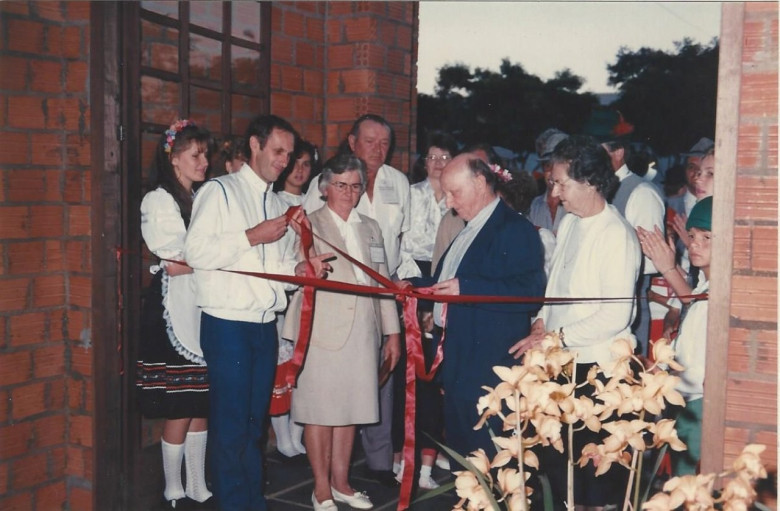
<point>334,312</point>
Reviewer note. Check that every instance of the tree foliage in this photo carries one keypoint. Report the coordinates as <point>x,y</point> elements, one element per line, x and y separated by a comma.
<point>507,108</point>
<point>669,97</point>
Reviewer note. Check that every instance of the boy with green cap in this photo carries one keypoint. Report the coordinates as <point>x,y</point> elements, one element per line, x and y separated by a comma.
<point>691,343</point>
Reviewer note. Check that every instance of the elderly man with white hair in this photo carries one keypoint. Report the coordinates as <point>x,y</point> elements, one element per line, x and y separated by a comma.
<point>498,253</point>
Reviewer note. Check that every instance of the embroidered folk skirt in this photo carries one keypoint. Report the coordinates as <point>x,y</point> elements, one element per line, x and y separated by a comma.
<point>169,385</point>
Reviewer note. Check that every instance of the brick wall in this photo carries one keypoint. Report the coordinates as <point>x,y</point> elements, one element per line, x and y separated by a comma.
<point>751,402</point>
<point>45,273</point>
<point>335,61</point>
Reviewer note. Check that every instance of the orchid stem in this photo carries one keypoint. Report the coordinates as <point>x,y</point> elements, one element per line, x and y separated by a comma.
<point>570,470</point>
<point>520,453</point>
<point>638,479</point>
<point>632,471</point>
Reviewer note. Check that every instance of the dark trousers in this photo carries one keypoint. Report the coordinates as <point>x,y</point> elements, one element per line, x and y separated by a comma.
<point>241,358</point>
<point>641,326</point>
<point>589,489</point>
<point>460,417</point>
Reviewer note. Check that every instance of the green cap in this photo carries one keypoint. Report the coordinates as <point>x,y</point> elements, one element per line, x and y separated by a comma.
<point>701,215</point>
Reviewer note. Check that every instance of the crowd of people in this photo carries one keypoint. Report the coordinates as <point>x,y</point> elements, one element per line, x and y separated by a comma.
<point>218,343</point>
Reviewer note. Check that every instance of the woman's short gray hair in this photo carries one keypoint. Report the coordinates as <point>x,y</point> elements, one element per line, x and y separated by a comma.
<point>340,164</point>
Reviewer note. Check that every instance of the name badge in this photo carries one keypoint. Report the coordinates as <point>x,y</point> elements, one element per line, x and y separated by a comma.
<point>377,252</point>
<point>388,193</point>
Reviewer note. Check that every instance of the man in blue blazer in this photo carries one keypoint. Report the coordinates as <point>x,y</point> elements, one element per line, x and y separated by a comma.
<point>498,253</point>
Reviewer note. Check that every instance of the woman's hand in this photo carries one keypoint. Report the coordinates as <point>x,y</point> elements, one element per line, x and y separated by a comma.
<point>392,350</point>
<point>657,249</point>
<point>534,339</point>
<point>176,269</point>
<point>319,264</point>
<point>671,322</point>
<point>678,224</point>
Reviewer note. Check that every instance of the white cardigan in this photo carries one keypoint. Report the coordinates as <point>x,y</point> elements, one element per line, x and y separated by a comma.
<point>598,256</point>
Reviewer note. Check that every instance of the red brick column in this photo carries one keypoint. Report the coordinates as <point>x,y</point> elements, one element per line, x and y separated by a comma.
<point>740,388</point>
<point>751,404</point>
<point>298,66</point>
<point>335,61</point>
<point>45,277</point>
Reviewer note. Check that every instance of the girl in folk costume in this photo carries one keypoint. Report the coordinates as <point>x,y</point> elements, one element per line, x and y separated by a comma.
<point>290,187</point>
<point>171,373</point>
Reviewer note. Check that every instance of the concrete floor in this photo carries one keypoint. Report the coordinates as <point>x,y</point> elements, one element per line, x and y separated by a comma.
<point>290,483</point>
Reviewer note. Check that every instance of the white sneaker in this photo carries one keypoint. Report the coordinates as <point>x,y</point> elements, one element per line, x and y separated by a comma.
<point>427,483</point>
<point>443,462</point>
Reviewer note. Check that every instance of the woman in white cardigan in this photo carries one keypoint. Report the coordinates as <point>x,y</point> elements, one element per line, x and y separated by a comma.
<point>597,255</point>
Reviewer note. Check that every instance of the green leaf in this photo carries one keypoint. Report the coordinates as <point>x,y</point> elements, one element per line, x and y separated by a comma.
<point>546,492</point>
<point>479,475</point>
<point>429,494</point>
<point>659,458</point>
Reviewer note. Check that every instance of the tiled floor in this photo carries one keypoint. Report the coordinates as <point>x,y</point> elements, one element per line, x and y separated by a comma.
<point>290,484</point>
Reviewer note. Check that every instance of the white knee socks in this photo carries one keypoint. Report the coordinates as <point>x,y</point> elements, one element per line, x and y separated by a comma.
<point>172,455</point>
<point>195,450</point>
<point>284,444</point>
<point>296,432</point>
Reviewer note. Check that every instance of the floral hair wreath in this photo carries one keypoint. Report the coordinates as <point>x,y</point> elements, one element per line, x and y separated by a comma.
<point>170,133</point>
<point>503,175</point>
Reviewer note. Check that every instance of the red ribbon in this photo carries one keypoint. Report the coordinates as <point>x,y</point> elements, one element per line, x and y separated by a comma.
<point>293,369</point>
<point>415,361</point>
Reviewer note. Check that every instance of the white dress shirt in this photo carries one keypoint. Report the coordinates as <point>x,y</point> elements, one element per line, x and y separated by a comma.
<point>458,248</point>
<point>540,216</point>
<point>426,215</point>
<point>690,346</point>
<point>645,208</point>
<point>390,208</point>
<point>347,230</point>
<point>289,198</point>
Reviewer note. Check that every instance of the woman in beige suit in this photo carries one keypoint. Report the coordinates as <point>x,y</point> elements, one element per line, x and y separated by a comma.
<point>338,386</point>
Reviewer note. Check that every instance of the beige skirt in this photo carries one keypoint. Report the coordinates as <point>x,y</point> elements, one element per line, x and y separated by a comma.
<point>340,388</point>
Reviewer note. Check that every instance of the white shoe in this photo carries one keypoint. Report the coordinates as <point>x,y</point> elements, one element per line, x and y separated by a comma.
<point>358,500</point>
<point>443,462</point>
<point>327,505</point>
<point>399,474</point>
<point>427,483</point>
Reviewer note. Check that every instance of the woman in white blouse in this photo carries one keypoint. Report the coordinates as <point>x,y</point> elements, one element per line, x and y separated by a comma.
<point>427,209</point>
<point>171,373</point>
<point>291,186</point>
<point>427,206</point>
<point>597,255</point>
<point>293,182</point>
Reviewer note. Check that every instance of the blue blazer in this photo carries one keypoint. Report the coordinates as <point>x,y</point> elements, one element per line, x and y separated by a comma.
<point>505,259</point>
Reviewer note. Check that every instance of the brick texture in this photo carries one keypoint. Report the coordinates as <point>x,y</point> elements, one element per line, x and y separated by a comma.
<point>751,398</point>
<point>45,209</point>
<point>337,56</point>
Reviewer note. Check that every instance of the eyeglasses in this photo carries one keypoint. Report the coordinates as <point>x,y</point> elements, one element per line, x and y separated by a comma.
<point>444,158</point>
<point>560,184</point>
<point>342,186</point>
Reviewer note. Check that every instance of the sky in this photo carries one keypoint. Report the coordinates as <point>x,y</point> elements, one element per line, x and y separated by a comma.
<point>545,37</point>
